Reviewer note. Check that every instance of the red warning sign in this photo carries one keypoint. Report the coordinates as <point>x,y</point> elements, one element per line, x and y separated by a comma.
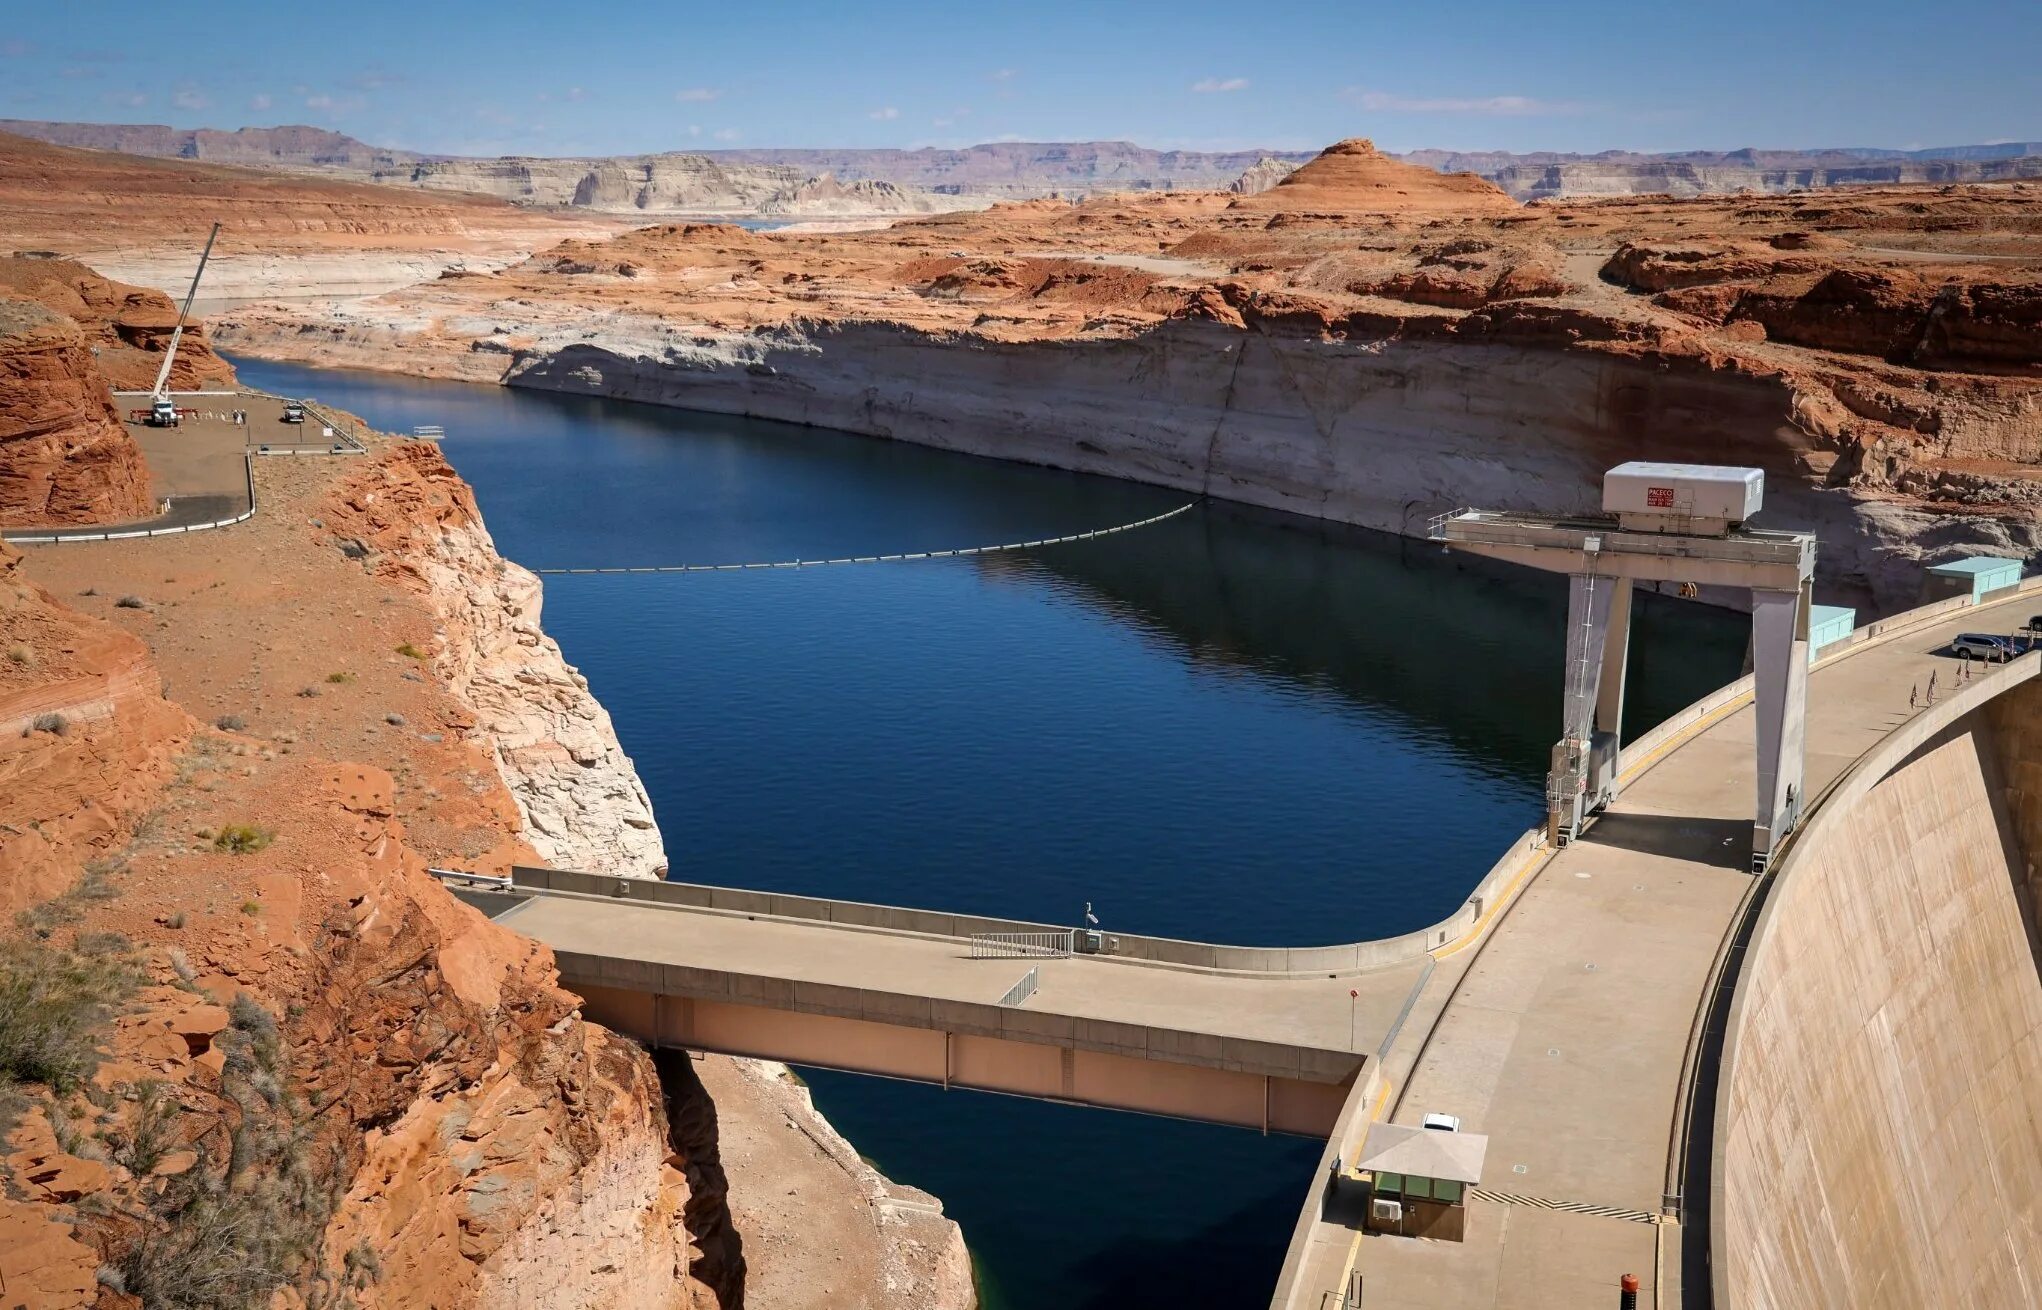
<point>1659,497</point>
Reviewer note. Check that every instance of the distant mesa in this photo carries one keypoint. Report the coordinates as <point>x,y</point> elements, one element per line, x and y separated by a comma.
<point>740,181</point>
<point>1353,177</point>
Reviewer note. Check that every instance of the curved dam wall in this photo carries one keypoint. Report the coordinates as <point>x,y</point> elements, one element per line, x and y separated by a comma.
<point>1879,1136</point>
<point>1383,433</point>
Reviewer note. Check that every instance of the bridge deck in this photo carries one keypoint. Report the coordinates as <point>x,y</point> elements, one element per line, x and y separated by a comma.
<point>1565,1035</point>
<point>1287,1027</point>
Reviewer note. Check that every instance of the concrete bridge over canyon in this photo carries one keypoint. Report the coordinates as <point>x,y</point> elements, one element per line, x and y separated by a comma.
<point>1589,1007</point>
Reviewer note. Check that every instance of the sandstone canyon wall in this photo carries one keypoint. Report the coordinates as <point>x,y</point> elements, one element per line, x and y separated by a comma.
<point>65,459</point>
<point>1364,340</point>
<point>412,520</point>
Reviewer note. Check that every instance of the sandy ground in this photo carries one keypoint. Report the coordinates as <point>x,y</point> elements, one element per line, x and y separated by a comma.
<point>269,623</point>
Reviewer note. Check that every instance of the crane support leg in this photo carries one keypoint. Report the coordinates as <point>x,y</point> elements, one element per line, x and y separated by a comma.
<point>1583,775</point>
<point>1779,657</point>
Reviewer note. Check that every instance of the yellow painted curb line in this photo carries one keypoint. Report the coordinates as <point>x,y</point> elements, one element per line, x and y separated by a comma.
<point>1354,1247</point>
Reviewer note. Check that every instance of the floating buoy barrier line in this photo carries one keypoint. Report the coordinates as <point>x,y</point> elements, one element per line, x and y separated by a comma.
<point>888,559</point>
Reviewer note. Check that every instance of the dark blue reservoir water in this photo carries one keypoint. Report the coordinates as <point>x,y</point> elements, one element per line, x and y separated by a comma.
<point>1233,726</point>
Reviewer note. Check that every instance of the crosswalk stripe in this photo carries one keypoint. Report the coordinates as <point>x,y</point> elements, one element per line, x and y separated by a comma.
<point>1570,1207</point>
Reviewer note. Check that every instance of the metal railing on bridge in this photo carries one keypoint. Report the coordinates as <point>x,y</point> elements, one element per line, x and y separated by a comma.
<point>1023,989</point>
<point>1023,945</point>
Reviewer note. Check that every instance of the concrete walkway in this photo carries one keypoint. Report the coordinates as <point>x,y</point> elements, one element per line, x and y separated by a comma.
<point>1564,1036</point>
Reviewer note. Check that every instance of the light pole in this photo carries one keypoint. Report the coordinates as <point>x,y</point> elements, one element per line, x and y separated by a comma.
<point>1353,1000</point>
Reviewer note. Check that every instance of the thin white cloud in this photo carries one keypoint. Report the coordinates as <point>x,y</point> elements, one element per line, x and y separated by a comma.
<point>327,104</point>
<point>191,98</point>
<point>728,134</point>
<point>1210,85</point>
<point>260,100</point>
<point>697,95</point>
<point>576,93</point>
<point>15,48</point>
<point>126,99</point>
<point>885,114</point>
<point>1002,75</point>
<point>374,79</point>
<point>1389,102</point>
<point>77,74</point>
<point>694,129</point>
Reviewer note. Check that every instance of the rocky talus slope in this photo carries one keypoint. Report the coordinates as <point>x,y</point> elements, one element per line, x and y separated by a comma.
<point>1366,341</point>
<point>65,459</point>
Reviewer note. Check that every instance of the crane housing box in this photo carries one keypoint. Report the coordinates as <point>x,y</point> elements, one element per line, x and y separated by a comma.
<point>1693,499</point>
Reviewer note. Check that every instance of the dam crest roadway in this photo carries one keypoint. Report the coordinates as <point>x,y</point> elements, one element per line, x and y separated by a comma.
<point>1560,1010</point>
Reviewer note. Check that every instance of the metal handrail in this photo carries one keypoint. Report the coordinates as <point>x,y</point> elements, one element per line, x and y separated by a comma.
<point>1023,945</point>
<point>1023,989</point>
<point>502,882</point>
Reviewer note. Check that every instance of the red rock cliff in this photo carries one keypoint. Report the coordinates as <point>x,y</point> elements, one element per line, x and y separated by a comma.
<point>64,456</point>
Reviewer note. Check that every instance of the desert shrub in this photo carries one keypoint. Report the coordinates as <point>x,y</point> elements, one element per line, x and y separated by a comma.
<point>337,678</point>
<point>242,839</point>
<point>53,1000</point>
<point>21,655</point>
<point>53,723</point>
<point>230,723</point>
<point>150,1132</point>
<point>410,652</point>
<point>131,603</point>
<point>231,1235</point>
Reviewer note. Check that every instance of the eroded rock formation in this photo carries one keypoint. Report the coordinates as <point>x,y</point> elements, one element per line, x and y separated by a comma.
<point>413,521</point>
<point>129,327</point>
<point>1367,341</point>
<point>65,459</point>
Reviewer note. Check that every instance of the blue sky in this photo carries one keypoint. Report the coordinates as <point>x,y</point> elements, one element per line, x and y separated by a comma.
<point>598,77</point>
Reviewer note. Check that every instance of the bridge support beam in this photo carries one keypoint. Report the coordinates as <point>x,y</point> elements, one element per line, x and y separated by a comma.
<point>1209,1092</point>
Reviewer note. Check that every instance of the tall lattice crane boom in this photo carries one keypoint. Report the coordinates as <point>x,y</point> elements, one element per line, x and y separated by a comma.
<point>159,395</point>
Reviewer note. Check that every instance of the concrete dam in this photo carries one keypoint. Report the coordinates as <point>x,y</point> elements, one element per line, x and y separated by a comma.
<point>1809,1083</point>
<point>1877,1141</point>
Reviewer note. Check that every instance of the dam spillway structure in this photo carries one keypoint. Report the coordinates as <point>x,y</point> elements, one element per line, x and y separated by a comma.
<point>1678,523</point>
